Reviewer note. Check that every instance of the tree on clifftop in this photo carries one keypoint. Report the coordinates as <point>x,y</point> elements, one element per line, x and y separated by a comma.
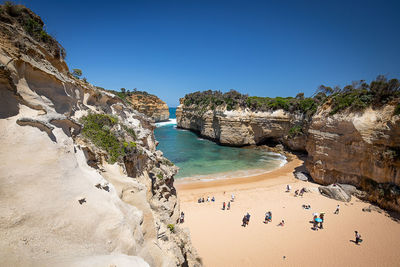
<point>77,73</point>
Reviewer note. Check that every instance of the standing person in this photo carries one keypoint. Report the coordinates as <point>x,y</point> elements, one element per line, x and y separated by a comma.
<point>248,218</point>
<point>229,205</point>
<point>315,223</point>
<point>358,238</point>
<point>208,199</point>
<point>232,197</point>
<point>321,216</point>
<point>182,219</point>
<point>337,209</point>
<point>223,206</point>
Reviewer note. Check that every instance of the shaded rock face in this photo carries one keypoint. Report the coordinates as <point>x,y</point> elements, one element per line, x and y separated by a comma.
<point>358,149</point>
<point>240,128</point>
<point>62,203</point>
<point>150,105</point>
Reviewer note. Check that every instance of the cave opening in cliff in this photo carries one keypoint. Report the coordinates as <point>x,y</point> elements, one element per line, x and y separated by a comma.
<point>268,141</point>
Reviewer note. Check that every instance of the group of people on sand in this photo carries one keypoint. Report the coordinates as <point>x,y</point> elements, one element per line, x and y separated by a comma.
<point>297,192</point>
<point>228,206</point>
<point>318,220</point>
<point>201,200</point>
<point>302,191</point>
<point>268,219</point>
<point>225,206</point>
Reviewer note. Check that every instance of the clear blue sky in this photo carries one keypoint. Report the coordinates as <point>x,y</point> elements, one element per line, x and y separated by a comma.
<point>263,48</point>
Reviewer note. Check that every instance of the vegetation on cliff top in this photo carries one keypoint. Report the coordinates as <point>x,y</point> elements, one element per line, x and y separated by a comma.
<point>354,97</point>
<point>101,131</point>
<point>32,24</point>
<point>234,100</point>
<point>124,94</point>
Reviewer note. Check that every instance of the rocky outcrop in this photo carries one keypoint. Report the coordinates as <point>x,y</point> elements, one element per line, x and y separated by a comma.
<point>242,127</point>
<point>149,105</point>
<point>66,200</point>
<point>335,192</point>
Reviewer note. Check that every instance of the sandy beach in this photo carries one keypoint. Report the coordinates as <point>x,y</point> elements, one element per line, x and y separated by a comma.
<point>222,241</point>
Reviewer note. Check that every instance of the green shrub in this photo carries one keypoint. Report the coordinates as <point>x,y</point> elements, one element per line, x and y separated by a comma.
<point>397,110</point>
<point>171,227</point>
<point>167,162</point>
<point>97,128</point>
<point>160,176</point>
<point>130,131</point>
<point>295,130</point>
<point>355,97</point>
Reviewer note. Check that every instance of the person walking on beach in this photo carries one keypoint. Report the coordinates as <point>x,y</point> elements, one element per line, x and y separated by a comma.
<point>358,238</point>
<point>223,206</point>
<point>229,205</point>
<point>182,218</point>
<point>208,199</point>
<point>337,209</point>
<point>248,218</point>
<point>232,197</point>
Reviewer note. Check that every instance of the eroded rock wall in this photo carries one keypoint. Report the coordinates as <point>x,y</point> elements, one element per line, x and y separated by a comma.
<point>362,149</point>
<point>62,202</point>
<point>242,127</point>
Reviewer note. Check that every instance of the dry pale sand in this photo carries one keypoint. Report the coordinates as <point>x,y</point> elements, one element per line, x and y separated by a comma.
<point>222,241</point>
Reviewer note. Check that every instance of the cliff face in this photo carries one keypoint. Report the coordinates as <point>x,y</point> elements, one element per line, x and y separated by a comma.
<point>242,127</point>
<point>362,149</point>
<point>150,105</point>
<point>63,200</point>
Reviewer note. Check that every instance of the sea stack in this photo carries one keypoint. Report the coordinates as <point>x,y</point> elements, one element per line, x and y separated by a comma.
<point>150,105</point>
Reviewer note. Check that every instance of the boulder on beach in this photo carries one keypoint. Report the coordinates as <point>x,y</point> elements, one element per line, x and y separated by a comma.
<point>334,191</point>
<point>301,176</point>
<point>349,189</point>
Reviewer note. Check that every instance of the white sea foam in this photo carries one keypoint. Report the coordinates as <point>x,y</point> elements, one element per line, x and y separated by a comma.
<point>165,123</point>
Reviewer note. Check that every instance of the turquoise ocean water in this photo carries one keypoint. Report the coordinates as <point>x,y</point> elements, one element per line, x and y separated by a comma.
<point>201,158</point>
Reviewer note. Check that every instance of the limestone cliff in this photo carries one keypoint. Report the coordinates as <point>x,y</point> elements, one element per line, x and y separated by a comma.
<point>242,127</point>
<point>361,148</point>
<point>150,105</point>
<point>81,181</point>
